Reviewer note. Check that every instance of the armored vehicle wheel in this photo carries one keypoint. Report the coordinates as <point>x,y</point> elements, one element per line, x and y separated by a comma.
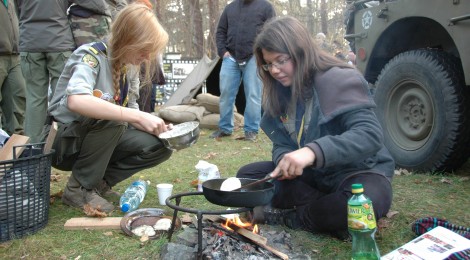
<point>422,106</point>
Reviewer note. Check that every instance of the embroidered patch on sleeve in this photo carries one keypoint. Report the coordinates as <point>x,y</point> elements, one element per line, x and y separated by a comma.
<point>105,96</point>
<point>90,60</point>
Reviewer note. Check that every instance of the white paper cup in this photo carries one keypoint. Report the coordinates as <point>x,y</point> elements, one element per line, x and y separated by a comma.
<point>164,191</point>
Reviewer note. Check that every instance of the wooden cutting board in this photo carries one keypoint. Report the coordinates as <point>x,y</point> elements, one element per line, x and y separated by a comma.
<point>6,153</point>
<point>113,223</point>
<point>50,137</point>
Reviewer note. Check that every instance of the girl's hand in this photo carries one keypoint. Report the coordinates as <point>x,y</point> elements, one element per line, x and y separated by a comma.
<point>151,124</point>
<point>292,164</point>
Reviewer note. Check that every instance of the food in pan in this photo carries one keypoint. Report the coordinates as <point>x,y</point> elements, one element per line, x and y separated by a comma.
<point>230,184</point>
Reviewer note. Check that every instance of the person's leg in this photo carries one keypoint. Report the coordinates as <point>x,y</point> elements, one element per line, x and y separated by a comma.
<point>230,79</point>
<point>253,89</point>
<point>14,105</point>
<point>328,213</point>
<point>96,151</point>
<point>4,66</point>
<point>55,65</point>
<point>136,151</point>
<point>36,77</point>
<point>256,170</point>
<point>95,141</point>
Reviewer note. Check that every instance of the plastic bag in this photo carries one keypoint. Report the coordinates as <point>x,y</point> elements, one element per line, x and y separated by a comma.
<point>207,171</point>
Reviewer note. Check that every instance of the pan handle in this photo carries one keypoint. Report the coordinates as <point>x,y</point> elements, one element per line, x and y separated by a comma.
<point>267,178</point>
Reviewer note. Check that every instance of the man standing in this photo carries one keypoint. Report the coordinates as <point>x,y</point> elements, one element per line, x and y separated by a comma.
<point>12,86</point>
<point>238,26</point>
<point>46,42</point>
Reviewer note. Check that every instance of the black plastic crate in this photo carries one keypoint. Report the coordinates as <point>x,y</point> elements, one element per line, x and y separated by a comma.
<point>24,192</point>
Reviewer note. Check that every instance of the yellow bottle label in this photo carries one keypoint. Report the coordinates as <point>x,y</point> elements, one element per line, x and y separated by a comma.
<point>361,216</point>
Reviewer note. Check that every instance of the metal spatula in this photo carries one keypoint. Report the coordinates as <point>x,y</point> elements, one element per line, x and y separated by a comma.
<point>268,177</point>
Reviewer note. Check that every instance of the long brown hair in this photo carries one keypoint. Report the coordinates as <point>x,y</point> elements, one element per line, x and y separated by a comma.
<point>135,29</point>
<point>289,36</point>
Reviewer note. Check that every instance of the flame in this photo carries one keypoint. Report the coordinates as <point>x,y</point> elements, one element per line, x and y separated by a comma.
<point>226,225</point>
<point>239,223</point>
<point>255,229</point>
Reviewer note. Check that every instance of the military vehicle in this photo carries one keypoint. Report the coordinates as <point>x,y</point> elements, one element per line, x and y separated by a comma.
<point>416,56</point>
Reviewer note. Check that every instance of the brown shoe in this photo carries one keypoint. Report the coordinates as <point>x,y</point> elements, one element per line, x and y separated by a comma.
<point>72,195</point>
<point>77,196</point>
<point>106,191</point>
<point>93,199</point>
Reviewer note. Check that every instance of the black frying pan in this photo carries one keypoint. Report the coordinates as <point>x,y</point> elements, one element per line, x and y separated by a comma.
<point>255,195</point>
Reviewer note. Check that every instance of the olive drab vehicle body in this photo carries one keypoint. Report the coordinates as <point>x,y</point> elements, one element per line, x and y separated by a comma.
<point>416,56</point>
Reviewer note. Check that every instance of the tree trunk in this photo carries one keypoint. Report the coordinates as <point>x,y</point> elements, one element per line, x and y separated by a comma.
<point>213,21</point>
<point>310,23</point>
<point>324,17</point>
<point>158,10</point>
<point>196,29</point>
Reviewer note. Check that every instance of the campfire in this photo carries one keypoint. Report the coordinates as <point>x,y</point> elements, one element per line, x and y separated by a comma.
<point>233,238</point>
<point>223,234</point>
<point>251,233</point>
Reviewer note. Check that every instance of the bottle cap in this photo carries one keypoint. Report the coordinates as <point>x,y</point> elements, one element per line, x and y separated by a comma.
<point>125,207</point>
<point>357,188</point>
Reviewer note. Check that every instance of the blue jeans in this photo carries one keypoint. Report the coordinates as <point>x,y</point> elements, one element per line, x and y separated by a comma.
<point>231,76</point>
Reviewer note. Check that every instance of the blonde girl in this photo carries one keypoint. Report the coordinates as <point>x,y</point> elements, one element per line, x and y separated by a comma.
<point>102,136</point>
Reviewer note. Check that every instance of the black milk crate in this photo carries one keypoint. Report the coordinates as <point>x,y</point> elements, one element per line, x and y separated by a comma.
<point>24,192</point>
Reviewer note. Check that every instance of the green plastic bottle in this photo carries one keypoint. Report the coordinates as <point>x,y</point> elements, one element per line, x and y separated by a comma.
<point>362,225</point>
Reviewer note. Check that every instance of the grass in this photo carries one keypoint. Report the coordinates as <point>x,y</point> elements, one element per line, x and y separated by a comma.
<point>415,196</point>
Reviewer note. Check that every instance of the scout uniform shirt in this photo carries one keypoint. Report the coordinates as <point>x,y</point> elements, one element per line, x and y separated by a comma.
<point>88,72</point>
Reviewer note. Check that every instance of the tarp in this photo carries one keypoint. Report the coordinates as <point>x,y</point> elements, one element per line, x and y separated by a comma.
<point>193,82</point>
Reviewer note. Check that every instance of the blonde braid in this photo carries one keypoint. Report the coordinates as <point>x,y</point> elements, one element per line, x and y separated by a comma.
<point>116,77</point>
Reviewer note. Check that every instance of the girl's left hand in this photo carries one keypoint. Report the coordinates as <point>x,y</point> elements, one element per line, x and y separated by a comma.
<point>292,164</point>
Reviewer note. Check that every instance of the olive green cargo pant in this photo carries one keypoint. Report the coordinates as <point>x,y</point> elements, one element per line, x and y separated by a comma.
<point>12,95</point>
<point>96,150</point>
<point>40,70</point>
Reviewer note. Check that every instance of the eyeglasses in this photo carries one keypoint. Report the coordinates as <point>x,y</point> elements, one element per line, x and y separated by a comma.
<point>278,64</point>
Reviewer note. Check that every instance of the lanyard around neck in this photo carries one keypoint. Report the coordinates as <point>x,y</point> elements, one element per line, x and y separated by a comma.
<point>301,131</point>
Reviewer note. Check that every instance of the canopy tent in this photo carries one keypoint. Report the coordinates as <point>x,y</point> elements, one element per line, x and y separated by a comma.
<point>205,72</point>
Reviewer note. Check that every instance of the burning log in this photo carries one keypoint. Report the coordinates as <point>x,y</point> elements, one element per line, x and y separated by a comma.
<point>255,238</point>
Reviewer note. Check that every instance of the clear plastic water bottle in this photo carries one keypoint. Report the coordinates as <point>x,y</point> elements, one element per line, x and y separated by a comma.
<point>362,225</point>
<point>133,196</point>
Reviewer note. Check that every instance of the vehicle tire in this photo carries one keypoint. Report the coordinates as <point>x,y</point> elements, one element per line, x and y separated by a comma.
<point>422,104</point>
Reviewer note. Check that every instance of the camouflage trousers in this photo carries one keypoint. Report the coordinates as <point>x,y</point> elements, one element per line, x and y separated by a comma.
<point>90,29</point>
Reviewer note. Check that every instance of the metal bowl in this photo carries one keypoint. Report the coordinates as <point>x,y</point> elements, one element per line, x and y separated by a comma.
<point>181,135</point>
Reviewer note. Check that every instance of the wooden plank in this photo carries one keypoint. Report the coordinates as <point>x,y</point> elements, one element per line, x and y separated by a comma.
<point>6,153</point>
<point>93,223</point>
<point>50,137</point>
<point>259,240</point>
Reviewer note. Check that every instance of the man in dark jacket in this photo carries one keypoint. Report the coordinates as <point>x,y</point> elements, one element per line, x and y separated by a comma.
<point>46,42</point>
<point>12,86</point>
<point>238,26</point>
